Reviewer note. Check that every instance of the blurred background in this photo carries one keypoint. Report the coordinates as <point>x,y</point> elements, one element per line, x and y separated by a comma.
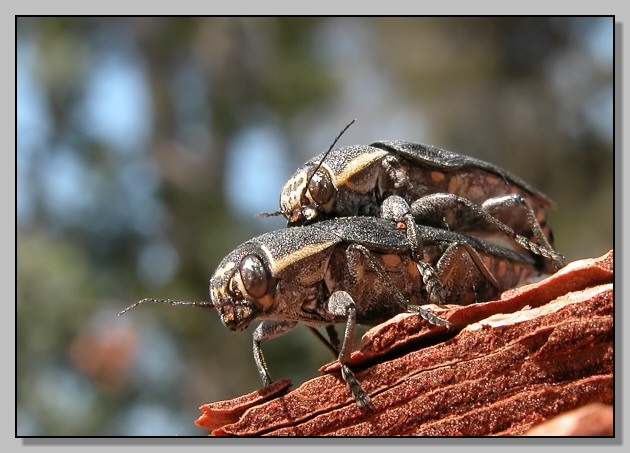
<point>145,147</point>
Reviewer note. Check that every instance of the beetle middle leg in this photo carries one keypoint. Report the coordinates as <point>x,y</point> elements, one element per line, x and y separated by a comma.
<point>340,303</point>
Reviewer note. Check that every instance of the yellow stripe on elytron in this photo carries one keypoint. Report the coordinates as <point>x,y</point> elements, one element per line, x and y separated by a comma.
<point>357,164</point>
<point>278,265</point>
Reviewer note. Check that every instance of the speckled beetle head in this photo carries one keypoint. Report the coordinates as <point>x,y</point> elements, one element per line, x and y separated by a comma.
<point>311,191</point>
<point>308,194</point>
<point>242,287</point>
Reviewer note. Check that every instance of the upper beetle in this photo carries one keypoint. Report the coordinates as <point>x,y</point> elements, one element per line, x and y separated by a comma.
<point>355,180</point>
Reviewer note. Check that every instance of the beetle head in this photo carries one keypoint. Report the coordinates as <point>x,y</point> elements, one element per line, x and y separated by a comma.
<point>242,288</point>
<point>311,191</point>
<point>308,194</point>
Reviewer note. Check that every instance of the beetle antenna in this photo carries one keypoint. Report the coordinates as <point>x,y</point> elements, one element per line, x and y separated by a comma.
<point>308,181</point>
<point>265,215</point>
<point>168,301</point>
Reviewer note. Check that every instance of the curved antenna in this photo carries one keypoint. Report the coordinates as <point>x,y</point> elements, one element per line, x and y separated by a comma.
<point>265,215</point>
<point>308,181</point>
<point>168,301</point>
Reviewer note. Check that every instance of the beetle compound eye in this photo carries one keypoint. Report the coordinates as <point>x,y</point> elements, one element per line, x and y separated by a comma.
<point>321,187</point>
<point>254,276</point>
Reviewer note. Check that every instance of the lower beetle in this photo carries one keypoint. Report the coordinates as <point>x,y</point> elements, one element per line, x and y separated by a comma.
<point>357,270</point>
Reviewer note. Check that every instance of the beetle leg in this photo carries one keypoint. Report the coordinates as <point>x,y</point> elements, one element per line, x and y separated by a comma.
<point>333,336</point>
<point>507,206</point>
<point>397,209</point>
<point>266,330</point>
<point>459,213</point>
<point>431,281</point>
<point>469,280</point>
<point>430,278</point>
<point>340,303</point>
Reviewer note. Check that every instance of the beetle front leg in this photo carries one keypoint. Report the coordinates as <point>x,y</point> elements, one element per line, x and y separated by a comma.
<point>340,303</point>
<point>265,331</point>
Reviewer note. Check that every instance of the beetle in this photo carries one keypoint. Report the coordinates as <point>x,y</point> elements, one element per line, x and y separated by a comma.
<point>355,270</point>
<point>355,180</point>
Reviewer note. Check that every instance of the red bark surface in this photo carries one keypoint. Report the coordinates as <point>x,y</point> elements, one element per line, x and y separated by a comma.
<point>595,419</point>
<point>506,368</point>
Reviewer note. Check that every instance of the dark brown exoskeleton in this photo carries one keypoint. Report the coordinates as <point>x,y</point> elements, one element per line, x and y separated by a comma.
<point>444,189</point>
<point>357,270</point>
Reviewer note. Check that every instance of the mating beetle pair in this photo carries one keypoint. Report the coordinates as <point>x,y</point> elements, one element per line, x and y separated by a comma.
<point>355,270</point>
<point>379,230</point>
